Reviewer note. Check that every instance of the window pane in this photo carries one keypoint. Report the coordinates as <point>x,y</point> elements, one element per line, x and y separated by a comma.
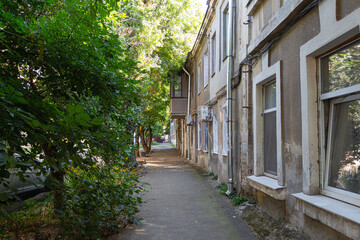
<point>213,54</point>
<point>341,69</point>
<point>206,68</point>
<point>225,30</point>
<point>199,136</point>
<point>344,172</point>
<point>206,136</point>
<point>270,95</point>
<point>270,155</point>
<point>215,134</point>
<point>198,77</point>
<point>177,87</point>
<point>225,133</point>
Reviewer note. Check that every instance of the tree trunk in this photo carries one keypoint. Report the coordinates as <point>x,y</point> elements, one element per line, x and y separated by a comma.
<point>146,140</point>
<point>149,140</point>
<point>137,144</point>
<point>59,198</point>
<point>57,175</point>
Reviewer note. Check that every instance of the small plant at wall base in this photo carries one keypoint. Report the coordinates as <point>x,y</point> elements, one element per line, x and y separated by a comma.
<point>236,200</point>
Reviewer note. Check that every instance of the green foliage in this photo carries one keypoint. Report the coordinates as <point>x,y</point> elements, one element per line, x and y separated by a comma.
<point>67,86</point>
<point>99,199</point>
<point>14,222</point>
<point>162,34</point>
<point>236,200</point>
<point>98,202</point>
<point>222,187</point>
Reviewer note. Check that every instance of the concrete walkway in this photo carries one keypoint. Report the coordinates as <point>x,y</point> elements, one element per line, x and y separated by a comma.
<point>181,204</point>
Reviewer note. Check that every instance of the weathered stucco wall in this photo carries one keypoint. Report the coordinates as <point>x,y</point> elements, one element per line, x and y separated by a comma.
<point>288,51</point>
<point>345,7</point>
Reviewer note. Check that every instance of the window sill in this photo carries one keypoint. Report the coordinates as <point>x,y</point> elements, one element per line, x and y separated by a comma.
<point>206,86</point>
<point>224,59</point>
<point>330,212</point>
<point>268,185</point>
<point>213,74</point>
<point>215,153</point>
<point>205,151</point>
<point>224,154</point>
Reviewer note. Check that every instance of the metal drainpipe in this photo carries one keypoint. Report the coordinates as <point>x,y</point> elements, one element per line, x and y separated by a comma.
<point>229,95</point>
<point>188,114</point>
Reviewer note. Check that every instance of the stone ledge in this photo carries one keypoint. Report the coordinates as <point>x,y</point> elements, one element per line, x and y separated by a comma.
<point>268,185</point>
<point>342,217</point>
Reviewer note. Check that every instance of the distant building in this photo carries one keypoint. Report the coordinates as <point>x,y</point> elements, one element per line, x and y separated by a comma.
<point>289,132</point>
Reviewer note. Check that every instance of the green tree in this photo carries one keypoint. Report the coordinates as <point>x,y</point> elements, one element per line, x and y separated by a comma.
<point>161,33</point>
<point>67,87</point>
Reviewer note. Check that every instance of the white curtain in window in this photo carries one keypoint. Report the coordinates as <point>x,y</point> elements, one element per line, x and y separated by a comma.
<point>199,136</point>
<point>215,134</point>
<point>206,68</point>
<point>206,135</point>
<point>225,133</point>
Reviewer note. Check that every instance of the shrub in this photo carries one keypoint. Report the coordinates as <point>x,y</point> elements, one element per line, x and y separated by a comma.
<point>100,200</point>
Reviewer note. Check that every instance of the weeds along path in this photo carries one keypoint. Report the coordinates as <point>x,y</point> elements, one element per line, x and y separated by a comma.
<point>181,204</point>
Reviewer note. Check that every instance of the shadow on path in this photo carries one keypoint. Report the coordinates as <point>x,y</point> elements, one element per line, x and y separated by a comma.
<point>181,204</point>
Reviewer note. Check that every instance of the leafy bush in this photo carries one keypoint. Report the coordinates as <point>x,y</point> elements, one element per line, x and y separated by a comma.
<point>98,202</point>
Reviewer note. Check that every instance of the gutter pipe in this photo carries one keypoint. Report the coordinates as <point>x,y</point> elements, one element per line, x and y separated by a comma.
<point>188,114</point>
<point>229,95</point>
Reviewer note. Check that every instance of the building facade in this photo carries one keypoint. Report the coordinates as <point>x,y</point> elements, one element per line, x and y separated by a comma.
<point>274,108</point>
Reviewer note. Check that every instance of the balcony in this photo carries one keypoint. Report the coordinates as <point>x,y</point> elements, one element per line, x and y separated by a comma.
<point>178,107</point>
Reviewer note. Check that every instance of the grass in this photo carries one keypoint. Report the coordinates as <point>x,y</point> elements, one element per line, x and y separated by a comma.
<point>35,217</point>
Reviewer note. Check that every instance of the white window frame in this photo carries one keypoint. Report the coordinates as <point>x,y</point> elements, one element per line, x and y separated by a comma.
<point>337,96</point>
<point>215,134</point>
<point>313,131</point>
<point>206,68</point>
<point>334,32</point>
<point>225,142</point>
<point>199,136</point>
<point>199,77</point>
<point>267,75</point>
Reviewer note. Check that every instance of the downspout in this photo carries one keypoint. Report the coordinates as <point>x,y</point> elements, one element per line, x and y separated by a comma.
<point>229,95</point>
<point>188,114</point>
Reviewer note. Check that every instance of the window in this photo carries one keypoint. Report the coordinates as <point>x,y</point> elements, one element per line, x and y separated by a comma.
<point>213,54</point>
<point>198,77</point>
<point>177,87</point>
<point>225,22</point>
<point>225,132</point>
<point>269,124</point>
<point>192,136</point>
<point>215,134</point>
<point>340,101</point>
<point>199,136</point>
<point>206,68</point>
<point>206,136</point>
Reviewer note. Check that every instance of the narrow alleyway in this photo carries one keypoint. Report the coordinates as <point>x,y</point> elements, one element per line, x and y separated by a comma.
<point>181,204</point>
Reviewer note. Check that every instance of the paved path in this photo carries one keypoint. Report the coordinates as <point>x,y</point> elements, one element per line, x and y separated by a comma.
<point>181,204</point>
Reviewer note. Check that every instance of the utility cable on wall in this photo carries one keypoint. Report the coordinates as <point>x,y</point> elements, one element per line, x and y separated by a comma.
<point>252,60</point>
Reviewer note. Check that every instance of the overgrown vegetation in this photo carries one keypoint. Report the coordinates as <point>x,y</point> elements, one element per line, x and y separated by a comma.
<point>97,203</point>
